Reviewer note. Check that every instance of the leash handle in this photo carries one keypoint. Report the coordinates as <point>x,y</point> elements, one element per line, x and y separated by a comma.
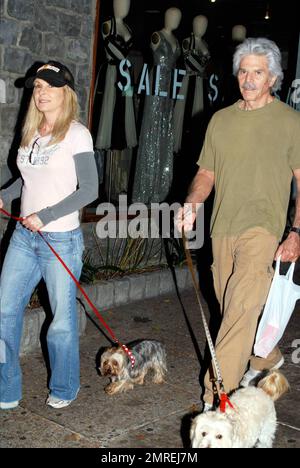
<point>10,215</point>
<point>93,307</point>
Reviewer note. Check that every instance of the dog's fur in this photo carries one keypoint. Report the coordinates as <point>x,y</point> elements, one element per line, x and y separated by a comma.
<point>251,423</point>
<point>115,363</point>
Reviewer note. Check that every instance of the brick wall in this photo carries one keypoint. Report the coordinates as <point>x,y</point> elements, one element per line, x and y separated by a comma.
<point>33,31</point>
<point>36,31</point>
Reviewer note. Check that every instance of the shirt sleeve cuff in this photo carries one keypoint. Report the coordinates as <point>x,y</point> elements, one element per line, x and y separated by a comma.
<point>46,216</point>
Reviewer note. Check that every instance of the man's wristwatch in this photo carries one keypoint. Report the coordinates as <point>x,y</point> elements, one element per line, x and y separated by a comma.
<point>295,229</point>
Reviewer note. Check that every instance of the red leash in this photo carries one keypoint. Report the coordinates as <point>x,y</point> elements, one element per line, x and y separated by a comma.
<point>127,351</point>
<point>10,216</point>
<point>225,401</point>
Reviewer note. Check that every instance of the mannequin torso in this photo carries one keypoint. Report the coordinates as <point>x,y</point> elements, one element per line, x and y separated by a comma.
<point>198,45</point>
<point>188,112</point>
<point>199,29</point>
<point>195,46</point>
<point>172,20</point>
<point>117,129</point>
<point>121,29</point>
<point>121,10</point>
<point>201,45</point>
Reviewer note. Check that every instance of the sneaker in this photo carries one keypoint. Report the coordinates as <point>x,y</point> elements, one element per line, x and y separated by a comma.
<point>10,405</point>
<point>57,403</point>
<point>252,374</point>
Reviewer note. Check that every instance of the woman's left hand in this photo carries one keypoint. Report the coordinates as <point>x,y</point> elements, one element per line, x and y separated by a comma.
<point>32,222</point>
<point>289,249</point>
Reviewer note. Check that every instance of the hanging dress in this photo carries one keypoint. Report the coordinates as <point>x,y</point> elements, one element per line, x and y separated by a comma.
<point>154,167</point>
<point>192,89</point>
<point>117,126</point>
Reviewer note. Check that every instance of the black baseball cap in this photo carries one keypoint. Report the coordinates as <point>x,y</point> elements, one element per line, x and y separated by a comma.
<point>55,73</point>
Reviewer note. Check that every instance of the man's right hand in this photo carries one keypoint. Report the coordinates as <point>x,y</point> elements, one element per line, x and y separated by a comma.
<point>186,217</point>
<point>201,188</point>
<point>1,203</point>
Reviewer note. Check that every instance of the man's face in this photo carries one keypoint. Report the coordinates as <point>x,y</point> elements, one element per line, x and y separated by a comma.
<point>255,80</point>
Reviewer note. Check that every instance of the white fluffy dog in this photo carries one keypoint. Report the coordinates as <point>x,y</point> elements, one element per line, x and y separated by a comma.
<point>251,423</point>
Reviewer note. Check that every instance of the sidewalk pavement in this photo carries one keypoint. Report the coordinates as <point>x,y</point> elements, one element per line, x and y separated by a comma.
<point>149,416</point>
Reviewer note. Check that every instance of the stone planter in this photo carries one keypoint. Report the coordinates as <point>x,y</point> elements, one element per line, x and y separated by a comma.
<point>108,294</point>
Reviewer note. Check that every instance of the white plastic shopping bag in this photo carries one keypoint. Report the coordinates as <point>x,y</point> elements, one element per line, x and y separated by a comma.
<point>279,307</point>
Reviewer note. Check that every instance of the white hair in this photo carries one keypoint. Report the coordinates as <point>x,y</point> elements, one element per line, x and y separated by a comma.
<point>261,46</point>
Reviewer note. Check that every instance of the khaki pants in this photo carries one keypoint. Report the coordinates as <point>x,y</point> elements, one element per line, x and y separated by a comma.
<point>242,272</point>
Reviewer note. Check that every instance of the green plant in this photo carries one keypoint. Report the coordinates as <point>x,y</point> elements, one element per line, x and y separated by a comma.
<point>175,251</point>
<point>119,257</point>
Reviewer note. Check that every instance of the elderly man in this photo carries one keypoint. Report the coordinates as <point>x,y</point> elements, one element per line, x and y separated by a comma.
<point>250,154</point>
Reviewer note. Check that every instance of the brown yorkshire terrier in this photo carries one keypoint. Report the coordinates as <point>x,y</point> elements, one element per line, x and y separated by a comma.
<point>115,363</point>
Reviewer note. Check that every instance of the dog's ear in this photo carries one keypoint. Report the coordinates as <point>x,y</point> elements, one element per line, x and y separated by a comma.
<point>99,356</point>
<point>109,350</point>
<point>121,351</point>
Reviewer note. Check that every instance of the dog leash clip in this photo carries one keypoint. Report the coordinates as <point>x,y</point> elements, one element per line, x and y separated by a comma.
<point>224,400</point>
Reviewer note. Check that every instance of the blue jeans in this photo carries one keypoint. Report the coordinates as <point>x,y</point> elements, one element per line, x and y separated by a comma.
<point>29,259</point>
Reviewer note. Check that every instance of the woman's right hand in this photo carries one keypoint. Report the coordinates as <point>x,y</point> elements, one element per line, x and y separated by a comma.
<point>1,203</point>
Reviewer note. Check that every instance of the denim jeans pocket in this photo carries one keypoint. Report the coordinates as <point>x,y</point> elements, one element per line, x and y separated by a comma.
<point>22,237</point>
<point>58,236</point>
<point>20,229</point>
<point>78,242</point>
<point>69,242</point>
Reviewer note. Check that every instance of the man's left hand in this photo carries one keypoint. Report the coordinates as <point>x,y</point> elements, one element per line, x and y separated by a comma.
<point>289,250</point>
<point>32,222</point>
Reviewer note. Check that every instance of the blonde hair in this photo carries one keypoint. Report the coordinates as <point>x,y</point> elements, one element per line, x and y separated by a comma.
<point>34,119</point>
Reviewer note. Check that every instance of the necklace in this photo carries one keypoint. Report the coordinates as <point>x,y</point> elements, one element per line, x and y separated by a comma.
<point>243,104</point>
<point>44,130</point>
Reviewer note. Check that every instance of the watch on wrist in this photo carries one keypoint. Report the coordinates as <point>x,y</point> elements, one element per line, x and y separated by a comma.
<point>295,229</point>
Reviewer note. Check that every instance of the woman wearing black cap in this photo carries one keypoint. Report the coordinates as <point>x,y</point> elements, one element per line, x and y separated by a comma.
<point>58,178</point>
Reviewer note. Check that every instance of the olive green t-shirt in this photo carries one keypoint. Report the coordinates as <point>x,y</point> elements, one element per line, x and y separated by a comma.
<point>252,154</point>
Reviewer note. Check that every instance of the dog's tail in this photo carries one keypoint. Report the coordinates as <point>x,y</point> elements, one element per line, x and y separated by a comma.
<point>274,384</point>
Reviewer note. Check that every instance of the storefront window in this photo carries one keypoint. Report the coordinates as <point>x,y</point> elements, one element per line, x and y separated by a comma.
<point>163,68</point>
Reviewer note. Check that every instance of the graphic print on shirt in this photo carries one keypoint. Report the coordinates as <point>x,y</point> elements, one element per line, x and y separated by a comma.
<point>36,154</point>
